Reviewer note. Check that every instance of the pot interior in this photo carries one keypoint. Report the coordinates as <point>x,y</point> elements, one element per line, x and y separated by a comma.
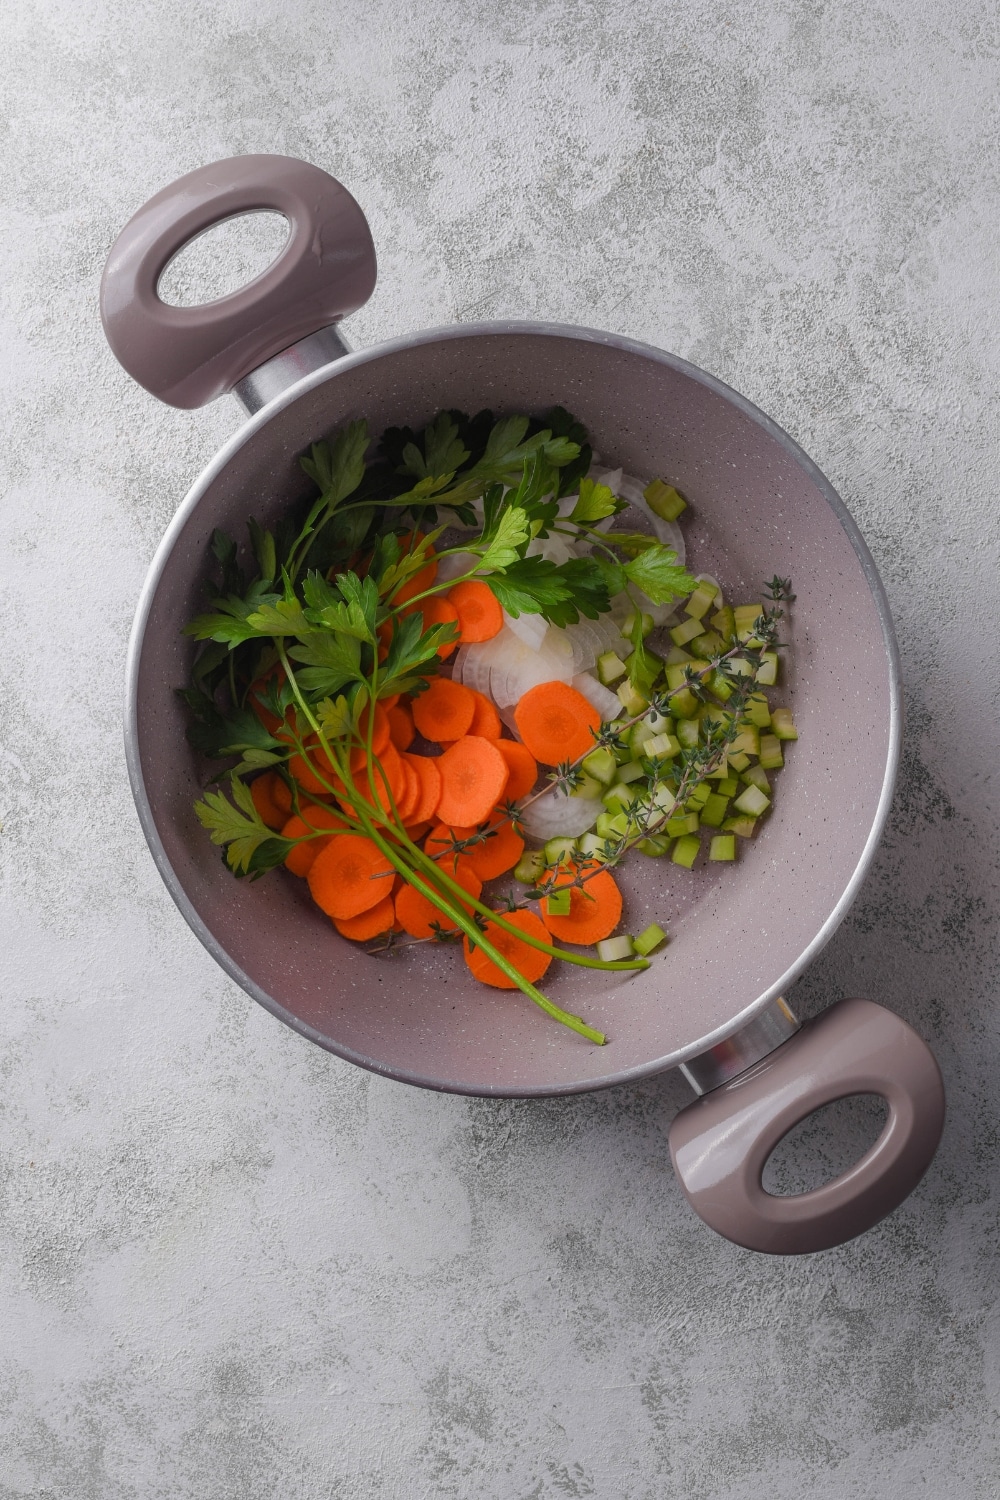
<point>738,934</point>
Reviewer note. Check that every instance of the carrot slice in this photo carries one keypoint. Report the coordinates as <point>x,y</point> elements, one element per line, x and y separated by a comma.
<point>348,876</point>
<point>262,790</point>
<point>530,962</point>
<point>401,728</point>
<point>417,915</point>
<point>436,611</point>
<point>485,720</point>
<point>380,730</point>
<point>417,584</point>
<point>416,831</point>
<point>368,924</point>
<point>521,767</point>
<point>299,860</point>
<point>480,616</point>
<point>473,776</point>
<point>407,804</point>
<point>426,770</point>
<point>500,850</point>
<point>309,768</point>
<point>445,710</point>
<point>595,909</point>
<point>440,843</point>
<point>555,722</point>
<point>387,775</point>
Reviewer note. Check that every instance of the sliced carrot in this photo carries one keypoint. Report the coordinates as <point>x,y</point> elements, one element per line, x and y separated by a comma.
<point>522,769</point>
<point>313,815</point>
<point>387,776</point>
<point>401,730</point>
<point>485,720</point>
<point>309,768</point>
<point>440,845</point>
<point>348,876</point>
<point>437,611</point>
<point>473,776</point>
<point>417,914</point>
<point>425,768</point>
<point>391,701</point>
<point>368,924</point>
<point>445,710</point>
<point>408,803</point>
<point>416,831</point>
<point>499,851</point>
<point>262,791</point>
<point>529,962</point>
<point>281,793</point>
<point>417,584</point>
<point>480,616</point>
<point>380,728</point>
<point>555,722</point>
<point>595,909</point>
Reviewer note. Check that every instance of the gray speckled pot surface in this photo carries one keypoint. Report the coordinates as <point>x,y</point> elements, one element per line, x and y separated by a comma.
<point>738,935</point>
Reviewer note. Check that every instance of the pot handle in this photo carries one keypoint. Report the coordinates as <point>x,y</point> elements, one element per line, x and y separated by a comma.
<point>721,1143</point>
<point>189,355</point>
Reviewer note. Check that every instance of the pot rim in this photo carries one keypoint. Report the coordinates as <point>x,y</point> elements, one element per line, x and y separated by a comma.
<point>468,330</point>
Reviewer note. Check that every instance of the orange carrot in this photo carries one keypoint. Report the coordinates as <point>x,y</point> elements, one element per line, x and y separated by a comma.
<point>480,616</point>
<point>416,913</point>
<point>555,722</point>
<point>521,766</point>
<point>299,860</point>
<point>307,769</point>
<point>439,844</point>
<point>437,611</point>
<point>595,909</point>
<point>530,962</point>
<point>387,776</point>
<point>418,584</point>
<point>416,831</point>
<point>500,850</point>
<point>407,804</point>
<point>485,720</point>
<point>348,876</point>
<point>391,701</point>
<point>401,730</point>
<point>445,710</point>
<point>262,792</point>
<point>368,924</point>
<point>380,728</point>
<point>473,776</point>
<point>426,771</point>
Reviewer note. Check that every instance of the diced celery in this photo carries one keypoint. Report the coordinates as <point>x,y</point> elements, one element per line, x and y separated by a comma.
<point>757,776</point>
<point>723,621</point>
<point>685,631</point>
<point>610,950</point>
<point>707,645</point>
<point>594,846</point>
<point>752,802</point>
<point>557,904</point>
<point>663,500</point>
<point>628,624</point>
<point>714,811</point>
<point>638,735</point>
<point>600,764</point>
<point>757,711</point>
<point>529,867</point>
<point>740,667</point>
<point>663,798</point>
<point>700,602</point>
<point>610,667</point>
<point>676,657</point>
<point>630,771</point>
<point>655,846</point>
<point>659,723</point>
<point>782,724</point>
<point>587,786</point>
<point>767,672</point>
<point>688,731</point>
<point>720,686</point>
<point>745,617</point>
<point>723,846</point>
<point>686,851</point>
<point>619,797</point>
<point>603,827</point>
<point>745,827</point>
<point>559,851</point>
<point>739,761</point>
<point>676,674</point>
<point>620,825</point>
<point>771,757</point>
<point>728,787</point>
<point>662,747</point>
<point>684,823</point>
<point>683,705</point>
<point>647,671</point>
<point>651,938</point>
<point>699,795</point>
<point>747,742</point>
<point>630,699</point>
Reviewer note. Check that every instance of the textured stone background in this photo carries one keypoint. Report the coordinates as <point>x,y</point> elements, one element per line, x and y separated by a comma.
<point>231,1266</point>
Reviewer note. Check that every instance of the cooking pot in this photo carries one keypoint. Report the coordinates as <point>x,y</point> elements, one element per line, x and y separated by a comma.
<point>713,1003</point>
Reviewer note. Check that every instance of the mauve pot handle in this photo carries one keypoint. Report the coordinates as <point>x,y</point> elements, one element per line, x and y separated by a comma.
<point>190,355</point>
<point>721,1143</point>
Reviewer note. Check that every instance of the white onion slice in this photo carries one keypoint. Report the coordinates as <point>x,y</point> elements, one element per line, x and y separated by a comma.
<point>556,815</point>
<point>607,703</point>
<point>517,668</point>
<point>454,565</point>
<point>531,629</point>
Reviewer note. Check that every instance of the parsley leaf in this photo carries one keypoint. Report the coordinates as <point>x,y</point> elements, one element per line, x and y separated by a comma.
<point>596,501</point>
<point>338,467</point>
<point>503,547</point>
<point>240,828</point>
<point>658,573</point>
<point>559,593</point>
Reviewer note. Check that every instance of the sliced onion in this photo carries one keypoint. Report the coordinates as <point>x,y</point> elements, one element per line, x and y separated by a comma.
<point>607,703</point>
<point>531,629</point>
<point>454,565</point>
<point>517,668</point>
<point>556,815</point>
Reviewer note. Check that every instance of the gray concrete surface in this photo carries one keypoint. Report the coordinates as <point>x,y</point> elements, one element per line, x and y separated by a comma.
<point>231,1266</point>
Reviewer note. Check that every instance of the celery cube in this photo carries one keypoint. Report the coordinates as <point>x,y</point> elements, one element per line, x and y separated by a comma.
<point>619,797</point>
<point>723,846</point>
<point>728,787</point>
<point>700,602</point>
<point>714,811</point>
<point>600,764</point>
<point>530,866</point>
<point>651,938</point>
<point>752,802</point>
<point>745,827</point>
<point>630,771</point>
<point>683,704</point>
<point>610,667</point>
<point>720,686</point>
<point>745,617</point>
<point>630,699</point>
<point>611,950</point>
<point>677,658</point>
<point>559,851</point>
<point>771,757</point>
<point>767,672</point>
<point>688,731</point>
<point>683,824</point>
<point>738,762</point>
<point>655,846</point>
<point>686,851</point>
<point>685,631</point>
<point>662,747</point>
<point>594,846</point>
<point>757,711</point>
<point>699,795</point>
<point>782,724</point>
<point>663,500</point>
<point>604,827</point>
<point>587,787</point>
<point>725,623</point>
<point>757,776</point>
<point>707,645</point>
<point>747,742</point>
<point>646,623</point>
<point>557,904</point>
